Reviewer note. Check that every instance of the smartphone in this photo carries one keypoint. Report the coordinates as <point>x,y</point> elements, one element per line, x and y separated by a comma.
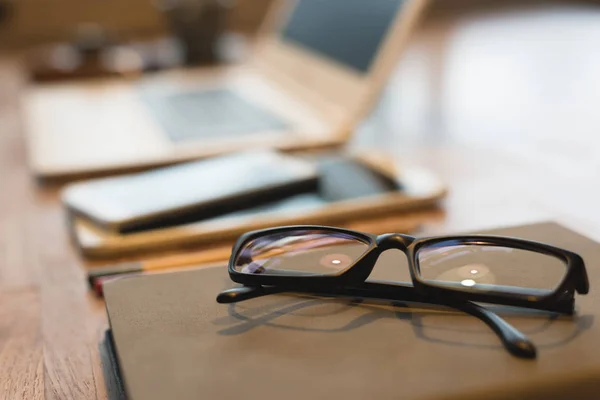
<point>190,192</point>
<point>352,188</point>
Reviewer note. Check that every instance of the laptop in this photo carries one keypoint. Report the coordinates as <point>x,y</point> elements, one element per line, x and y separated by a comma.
<point>317,68</point>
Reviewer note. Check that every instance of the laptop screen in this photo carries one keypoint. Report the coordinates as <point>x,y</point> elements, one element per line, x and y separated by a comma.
<point>349,32</point>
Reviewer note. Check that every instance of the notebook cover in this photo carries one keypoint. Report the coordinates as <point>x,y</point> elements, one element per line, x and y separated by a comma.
<point>174,341</point>
<point>110,368</point>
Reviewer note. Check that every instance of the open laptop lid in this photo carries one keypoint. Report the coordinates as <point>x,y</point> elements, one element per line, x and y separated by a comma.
<point>336,53</point>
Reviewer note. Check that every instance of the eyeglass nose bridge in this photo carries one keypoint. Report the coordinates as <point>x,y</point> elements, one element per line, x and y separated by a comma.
<point>394,241</point>
<point>384,242</point>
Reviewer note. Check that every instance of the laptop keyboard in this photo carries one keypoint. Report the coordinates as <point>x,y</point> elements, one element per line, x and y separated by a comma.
<point>208,114</point>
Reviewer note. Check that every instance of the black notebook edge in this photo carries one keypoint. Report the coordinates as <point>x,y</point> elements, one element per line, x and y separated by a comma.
<point>115,389</point>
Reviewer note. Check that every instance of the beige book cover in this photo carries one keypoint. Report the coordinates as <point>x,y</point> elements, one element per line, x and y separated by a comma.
<point>173,341</point>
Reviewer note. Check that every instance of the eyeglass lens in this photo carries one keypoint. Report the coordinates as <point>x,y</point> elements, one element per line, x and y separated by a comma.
<point>489,268</point>
<point>304,252</point>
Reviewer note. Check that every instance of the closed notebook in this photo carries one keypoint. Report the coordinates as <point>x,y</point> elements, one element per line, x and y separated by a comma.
<point>172,340</point>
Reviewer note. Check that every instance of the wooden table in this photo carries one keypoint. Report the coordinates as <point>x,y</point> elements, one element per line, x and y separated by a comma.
<point>504,107</point>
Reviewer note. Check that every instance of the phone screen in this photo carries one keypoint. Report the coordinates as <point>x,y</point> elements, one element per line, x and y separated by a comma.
<point>339,179</point>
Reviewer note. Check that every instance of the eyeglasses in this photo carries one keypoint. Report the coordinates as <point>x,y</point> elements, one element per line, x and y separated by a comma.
<point>453,271</point>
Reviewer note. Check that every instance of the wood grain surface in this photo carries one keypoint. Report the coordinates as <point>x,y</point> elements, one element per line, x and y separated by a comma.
<point>502,105</point>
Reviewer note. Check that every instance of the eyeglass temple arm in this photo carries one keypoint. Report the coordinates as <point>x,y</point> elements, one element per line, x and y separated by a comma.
<point>237,294</point>
<point>514,341</point>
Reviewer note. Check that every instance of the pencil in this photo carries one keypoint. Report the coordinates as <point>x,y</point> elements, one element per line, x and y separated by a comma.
<point>99,282</point>
<point>98,285</point>
<point>163,263</point>
<point>196,259</point>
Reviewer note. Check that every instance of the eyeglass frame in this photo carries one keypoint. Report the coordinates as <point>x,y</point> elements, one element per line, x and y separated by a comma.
<point>352,280</point>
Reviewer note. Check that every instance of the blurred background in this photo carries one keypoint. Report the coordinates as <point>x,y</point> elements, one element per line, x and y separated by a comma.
<point>63,36</point>
<point>517,77</point>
